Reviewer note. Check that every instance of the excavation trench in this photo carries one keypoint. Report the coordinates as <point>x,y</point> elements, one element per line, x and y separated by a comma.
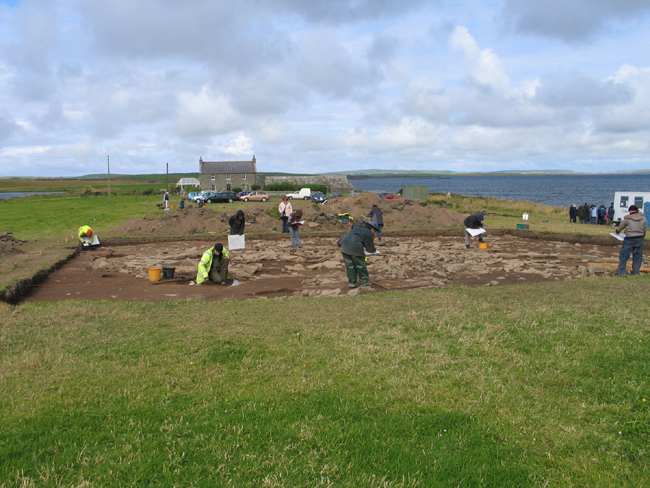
<point>269,267</point>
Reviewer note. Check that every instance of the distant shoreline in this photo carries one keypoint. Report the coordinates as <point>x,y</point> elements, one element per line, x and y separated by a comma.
<point>505,173</point>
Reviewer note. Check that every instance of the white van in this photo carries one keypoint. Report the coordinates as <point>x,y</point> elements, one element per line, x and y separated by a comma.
<point>623,199</point>
<point>303,194</point>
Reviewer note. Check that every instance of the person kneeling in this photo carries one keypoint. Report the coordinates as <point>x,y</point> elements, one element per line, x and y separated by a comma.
<point>85,234</point>
<point>214,265</point>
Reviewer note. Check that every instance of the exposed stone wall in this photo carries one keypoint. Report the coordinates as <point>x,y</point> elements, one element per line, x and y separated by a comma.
<point>336,183</point>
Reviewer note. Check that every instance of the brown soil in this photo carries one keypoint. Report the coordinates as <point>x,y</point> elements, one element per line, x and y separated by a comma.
<point>269,267</point>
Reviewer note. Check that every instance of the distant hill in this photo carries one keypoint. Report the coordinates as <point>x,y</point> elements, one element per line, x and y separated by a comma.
<point>363,173</point>
<point>150,178</point>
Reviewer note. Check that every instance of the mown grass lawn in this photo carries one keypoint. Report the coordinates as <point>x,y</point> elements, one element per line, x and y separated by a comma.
<point>54,217</point>
<point>528,385</point>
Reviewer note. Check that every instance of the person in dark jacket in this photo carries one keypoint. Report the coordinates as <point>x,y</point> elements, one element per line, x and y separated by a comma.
<point>583,213</point>
<point>376,215</point>
<point>360,238</point>
<point>573,210</point>
<point>602,212</point>
<point>295,221</point>
<point>474,221</point>
<point>237,223</point>
<point>635,225</point>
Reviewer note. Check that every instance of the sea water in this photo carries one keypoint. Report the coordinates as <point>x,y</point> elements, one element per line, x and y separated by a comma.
<point>555,190</point>
<point>26,193</point>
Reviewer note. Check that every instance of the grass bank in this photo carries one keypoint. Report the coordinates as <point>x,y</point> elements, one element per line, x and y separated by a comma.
<point>521,386</point>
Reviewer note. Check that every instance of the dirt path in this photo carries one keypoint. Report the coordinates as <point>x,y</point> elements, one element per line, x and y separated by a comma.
<point>271,268</point>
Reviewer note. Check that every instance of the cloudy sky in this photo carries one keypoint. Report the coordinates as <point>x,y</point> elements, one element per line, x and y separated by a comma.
<point>323,85</point>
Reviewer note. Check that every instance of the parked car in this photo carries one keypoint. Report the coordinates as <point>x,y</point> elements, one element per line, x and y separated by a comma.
<point>355,193</point>
<point>256,196</point>
<point>318,197</point>
<point>242,194</point>
<point>386,195</point>
<point>222,197</point>
<point>203,196</point>
<point>334,195</point>
<point>304,194</point>
<point>193,195</point>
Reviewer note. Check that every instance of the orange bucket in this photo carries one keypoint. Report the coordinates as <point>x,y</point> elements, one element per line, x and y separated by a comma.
<point>155,274</point>
<point>482,245</point>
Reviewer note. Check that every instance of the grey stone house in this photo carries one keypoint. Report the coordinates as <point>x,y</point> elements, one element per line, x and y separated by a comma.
<point>226,175</point>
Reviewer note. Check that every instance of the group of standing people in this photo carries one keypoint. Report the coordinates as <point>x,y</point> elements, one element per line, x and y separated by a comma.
<point>592,214</point>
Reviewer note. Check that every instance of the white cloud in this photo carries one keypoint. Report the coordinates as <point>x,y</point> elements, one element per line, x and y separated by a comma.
<point>485,66</point>
<point>238,146</point>
<point>203,115</point>
<point>356,138</point>
<point>407,134</point>
<point>321,86</point>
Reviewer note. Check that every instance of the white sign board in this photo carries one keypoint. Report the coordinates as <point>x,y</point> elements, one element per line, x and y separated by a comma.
<point>236,242</point>
<point>475,232</point>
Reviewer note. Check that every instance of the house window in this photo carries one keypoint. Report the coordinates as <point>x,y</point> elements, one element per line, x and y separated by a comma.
<point>228,176</point>
<point>638,201</point>
<point>624,201</point>
<point>214,187</point>
<point>213,178</point>
<point>243,177</point>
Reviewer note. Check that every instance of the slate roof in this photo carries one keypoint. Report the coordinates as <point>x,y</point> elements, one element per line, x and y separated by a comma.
<point>228,167</point>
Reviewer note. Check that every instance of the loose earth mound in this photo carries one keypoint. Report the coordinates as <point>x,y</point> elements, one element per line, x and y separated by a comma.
<point>398,215</point>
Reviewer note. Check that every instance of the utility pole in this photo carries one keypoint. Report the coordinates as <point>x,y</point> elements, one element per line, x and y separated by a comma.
<point>167,177</point>
<point>109,177</point>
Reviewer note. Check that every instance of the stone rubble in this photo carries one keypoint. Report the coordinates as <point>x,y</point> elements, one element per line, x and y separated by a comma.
<point>9,244</point>
<point>403,263</point>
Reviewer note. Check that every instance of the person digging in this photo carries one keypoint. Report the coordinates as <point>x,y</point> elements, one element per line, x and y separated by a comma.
<point>83,231</point>
<point>214,265</point>
<point>352,249</point>
<point>474,221</point>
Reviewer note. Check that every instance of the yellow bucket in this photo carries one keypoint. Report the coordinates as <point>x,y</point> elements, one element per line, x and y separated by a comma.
<point>155,274</point>
<point>173,207</point>
<point>482,245</point>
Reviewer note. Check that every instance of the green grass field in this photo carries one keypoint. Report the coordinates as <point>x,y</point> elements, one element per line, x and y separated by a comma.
<point>522,386</point>
<point>530,385</point>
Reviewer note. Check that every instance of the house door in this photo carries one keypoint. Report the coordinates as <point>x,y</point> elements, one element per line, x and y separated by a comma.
<point>228,187</point>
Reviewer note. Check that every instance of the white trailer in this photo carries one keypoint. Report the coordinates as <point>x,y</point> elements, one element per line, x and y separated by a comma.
<point>623,199</point>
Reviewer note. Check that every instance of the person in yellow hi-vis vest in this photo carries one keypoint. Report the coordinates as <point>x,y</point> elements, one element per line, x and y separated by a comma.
<point>214,265</point>
<point>84,231</point>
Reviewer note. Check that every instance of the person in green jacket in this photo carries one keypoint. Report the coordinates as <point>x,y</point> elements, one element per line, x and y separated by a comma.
<point>214,265</point>
<point>353,245</point>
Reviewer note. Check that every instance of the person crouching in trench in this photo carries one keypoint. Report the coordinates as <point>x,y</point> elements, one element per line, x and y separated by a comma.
<point>214,265</point>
